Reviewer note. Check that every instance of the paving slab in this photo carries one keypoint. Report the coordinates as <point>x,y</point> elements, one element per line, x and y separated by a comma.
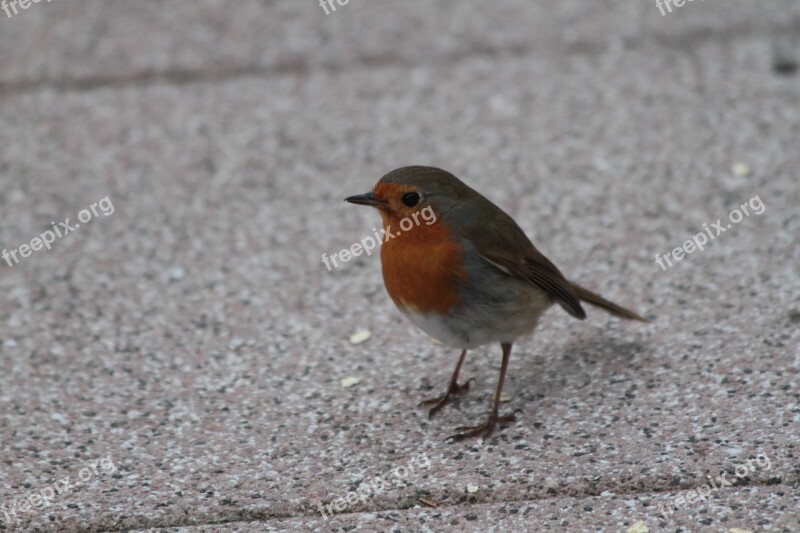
<point>94,43</point>
<point>179,361</point>
<point>611,512</point>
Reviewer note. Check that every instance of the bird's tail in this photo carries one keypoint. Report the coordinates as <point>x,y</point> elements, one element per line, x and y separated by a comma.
<point>598,301</point>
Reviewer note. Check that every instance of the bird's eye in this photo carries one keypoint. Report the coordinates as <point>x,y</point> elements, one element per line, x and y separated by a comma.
<point>410,199</point>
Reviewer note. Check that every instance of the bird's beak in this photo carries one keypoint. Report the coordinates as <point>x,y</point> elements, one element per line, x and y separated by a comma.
<point>365,199</point>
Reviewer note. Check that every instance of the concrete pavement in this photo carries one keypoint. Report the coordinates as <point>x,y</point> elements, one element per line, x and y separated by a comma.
<point>193,343</point>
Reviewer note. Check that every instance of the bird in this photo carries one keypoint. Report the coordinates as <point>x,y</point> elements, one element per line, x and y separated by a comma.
<point>467,275</point>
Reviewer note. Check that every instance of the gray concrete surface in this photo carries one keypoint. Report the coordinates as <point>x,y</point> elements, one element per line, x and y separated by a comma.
<point>193,340</point>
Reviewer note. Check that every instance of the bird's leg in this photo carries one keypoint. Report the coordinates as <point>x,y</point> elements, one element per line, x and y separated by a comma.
<point>453,390</point>
<point>485,429</point>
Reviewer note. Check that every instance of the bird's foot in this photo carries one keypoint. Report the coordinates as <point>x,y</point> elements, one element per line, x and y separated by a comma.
<point>483,430</point>
<point>454,390</point>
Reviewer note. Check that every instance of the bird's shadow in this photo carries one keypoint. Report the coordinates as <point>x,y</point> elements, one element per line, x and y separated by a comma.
<point>589,359</point>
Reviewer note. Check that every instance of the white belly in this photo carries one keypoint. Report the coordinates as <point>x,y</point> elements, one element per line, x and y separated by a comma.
<point>470,327</point>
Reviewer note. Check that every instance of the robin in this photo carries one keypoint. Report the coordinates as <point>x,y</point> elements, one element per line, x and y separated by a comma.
<point>469,278</point>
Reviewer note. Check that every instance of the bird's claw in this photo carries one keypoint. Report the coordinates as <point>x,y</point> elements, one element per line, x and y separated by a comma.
<point>441,401</point>
<point>483,430</point>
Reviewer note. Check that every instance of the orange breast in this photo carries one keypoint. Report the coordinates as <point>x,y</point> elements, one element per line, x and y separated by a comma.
<point>422,268</point>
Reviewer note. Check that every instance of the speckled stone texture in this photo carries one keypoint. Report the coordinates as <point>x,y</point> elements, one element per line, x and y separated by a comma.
<point>194,340</point>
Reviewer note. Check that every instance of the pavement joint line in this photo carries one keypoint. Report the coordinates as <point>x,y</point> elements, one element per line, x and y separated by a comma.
<point>686,42</point>
<point>258,516</point>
